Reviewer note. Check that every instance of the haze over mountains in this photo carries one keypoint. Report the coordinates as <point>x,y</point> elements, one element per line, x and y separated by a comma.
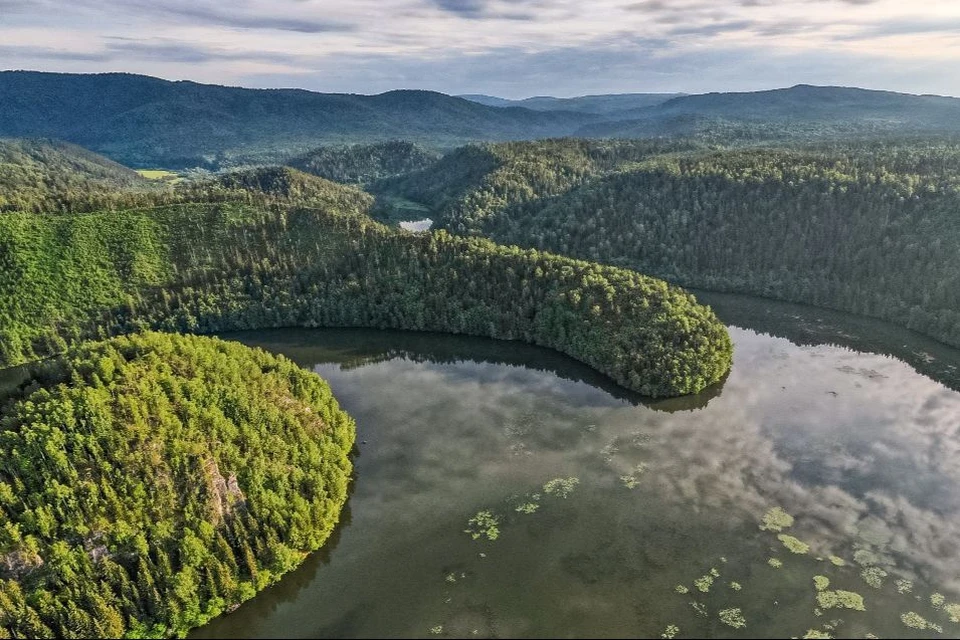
<point>145,121</point>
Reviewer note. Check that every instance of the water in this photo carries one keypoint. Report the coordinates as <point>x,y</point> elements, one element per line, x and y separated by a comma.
<point>858,446</point>
<point>417,225</point>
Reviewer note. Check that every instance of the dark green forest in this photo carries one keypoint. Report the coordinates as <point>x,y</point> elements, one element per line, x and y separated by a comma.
<point>361,164</point>
<point>151,482</point>
<point>867,227</point>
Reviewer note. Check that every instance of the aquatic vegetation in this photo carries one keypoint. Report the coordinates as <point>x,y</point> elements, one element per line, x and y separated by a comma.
<point>866,557</point>
<point>794,545</point>
<point>733,618</point>
<point>837,561</point>
<point>527,507</point>
<point>670,632</point>
<point>561,487</point>
<point>817,612</point>
<point>937,600</point>
<point>704,583</point>
<point>632,479</point>
<point>437,630</point>
<point>840,600</point>
<point>904,586</point>
<point>776,519</point>
<point>736,586</point>
<point>776,563</point>
<point>681,589</point>
<point>714,572</point>
<point>816,633</point>
<point>483,524</point>
<point>821,582</point>
<point>916,621</point>
<point>873,576</point>
<point>451,577</point>
<point>952,610</point>
<point>700,608</point>
<point>608,451</point>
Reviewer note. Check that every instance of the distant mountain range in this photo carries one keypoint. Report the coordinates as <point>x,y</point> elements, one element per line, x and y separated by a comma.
<point>144,121</point>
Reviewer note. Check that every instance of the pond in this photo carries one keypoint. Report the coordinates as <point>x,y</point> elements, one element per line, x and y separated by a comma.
<point>596,514</point>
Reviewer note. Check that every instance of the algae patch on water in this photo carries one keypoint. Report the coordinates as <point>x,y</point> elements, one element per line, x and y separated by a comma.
<point>840,600</point>
<point>670,632</point>
<point>561,487</point>
<point>821,583</point>
<point>794,545</point>
<point>733,618</point>
<point>484,524</point>
<point>776,519</point>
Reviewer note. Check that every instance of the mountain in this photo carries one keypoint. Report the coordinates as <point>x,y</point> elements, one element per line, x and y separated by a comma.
<point>144,121</point>
<point>49,176</point>
<point>801,111</point>
<point>605,104</point>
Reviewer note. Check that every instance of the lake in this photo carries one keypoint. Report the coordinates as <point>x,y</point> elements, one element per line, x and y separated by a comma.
<point>612,516</point>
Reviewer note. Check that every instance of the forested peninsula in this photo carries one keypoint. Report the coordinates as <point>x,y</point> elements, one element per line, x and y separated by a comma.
<point>151,482</point>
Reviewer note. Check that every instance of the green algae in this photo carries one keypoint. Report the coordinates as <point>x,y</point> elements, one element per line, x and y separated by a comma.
<point>937,600</point>
<point>483,524</point>
<point>704,583</point>
<point>776,519</point>
<point>821,583</point>
<point>632,479</point>
<point>873,576</point>
<point>904,586</point>
<point>670,632</point>
<point>681,589</point>
<point>916,621</point>
<point>776,563</point>
<point>736,586</point>
<point>952,610</point>
<point>793,545</point>
<point>527,507</point>
<point>837,561</point>
<point>816,633</point>
<point>733,617</point>
<point>561,487</point>
<point>840,600</point>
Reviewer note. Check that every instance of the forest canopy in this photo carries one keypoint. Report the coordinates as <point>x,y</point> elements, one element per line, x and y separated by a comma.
<point>151,482</point>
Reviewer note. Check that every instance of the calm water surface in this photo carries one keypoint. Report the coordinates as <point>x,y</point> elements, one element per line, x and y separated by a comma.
<point>849,425</point>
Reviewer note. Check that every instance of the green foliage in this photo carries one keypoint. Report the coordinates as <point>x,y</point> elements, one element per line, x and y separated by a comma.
<point>840,600</point>
<point>160,480</point>
<point>733,618</point>
<point>794,545</point>
<point>561,487</point>
<point>776,519</point>
<point>868,228</point>
<point>230,266</point>
<point>484,524</point>
<point>360,164</point>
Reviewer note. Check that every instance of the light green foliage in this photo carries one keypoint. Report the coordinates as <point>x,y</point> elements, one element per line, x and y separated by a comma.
<point>484,524</point>
<point>681,589</point>
<point>704,583</point>
<point>821,583</point>
<point>873,576</point>
<point>776,519</point>
<point>776,563</point>
<point>670,632</point>
<point>736,586</point>
<point>451,577</point>
<point>792,544</point>
<point>436,630</point>
<point>194,471</point>
<point>561,487</point>
<point>733,618</point>
<point>700,608</point>
<point>903,585</point>
<point>816,634</point>
<point>837,561</point>
<point>840,600</point>
<point>937,600</point>
<point>527,507</point>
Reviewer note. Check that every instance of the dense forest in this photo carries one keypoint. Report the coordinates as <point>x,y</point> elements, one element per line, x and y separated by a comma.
<point>364,163</point>
<point>149,483</point>
<point>868,227</point>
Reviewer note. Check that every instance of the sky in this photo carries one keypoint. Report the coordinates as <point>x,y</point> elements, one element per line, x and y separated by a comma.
<point>508,48</point>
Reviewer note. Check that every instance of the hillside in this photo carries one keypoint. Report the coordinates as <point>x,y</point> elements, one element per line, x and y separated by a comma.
<point>149,483</point>
<point>800,112</point>
<point>866,228</point>
<point>364,163</point>
<point>609,105</point>
<point>144,121</point>
<point>52,176</point>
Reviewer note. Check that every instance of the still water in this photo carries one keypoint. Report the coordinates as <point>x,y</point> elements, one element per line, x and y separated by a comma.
<point>653,519</point>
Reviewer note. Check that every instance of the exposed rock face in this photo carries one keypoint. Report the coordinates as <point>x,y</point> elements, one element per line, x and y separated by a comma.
<point>16,564</point>
<point>225,493</point>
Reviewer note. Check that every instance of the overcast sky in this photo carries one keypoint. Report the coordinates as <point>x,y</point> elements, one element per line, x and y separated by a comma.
<point>510,48</point>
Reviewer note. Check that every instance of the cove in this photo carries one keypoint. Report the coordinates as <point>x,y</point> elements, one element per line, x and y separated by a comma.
<point>854,437</point>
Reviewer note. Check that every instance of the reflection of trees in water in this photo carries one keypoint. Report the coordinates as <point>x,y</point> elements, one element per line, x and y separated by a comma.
<point>355,348</point>
<point>810,326</point>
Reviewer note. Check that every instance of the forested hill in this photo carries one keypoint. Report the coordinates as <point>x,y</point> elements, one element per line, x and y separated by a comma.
<point>870,228</point>
<point>145,121</point>
<point>364,163</point>
<point>802,112</point>
<point>52,176</point>
<point>610,105</point>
